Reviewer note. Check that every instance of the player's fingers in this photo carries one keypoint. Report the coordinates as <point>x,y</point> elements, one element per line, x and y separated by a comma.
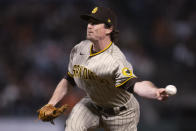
<point>158,94</point>
<point>162,91</point>
<point>164,94</point>
<point>159,98</point>
<point>161,94</point>
<point>163,97</point>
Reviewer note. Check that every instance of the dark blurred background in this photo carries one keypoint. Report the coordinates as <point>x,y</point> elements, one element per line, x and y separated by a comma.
<point>157,36</point>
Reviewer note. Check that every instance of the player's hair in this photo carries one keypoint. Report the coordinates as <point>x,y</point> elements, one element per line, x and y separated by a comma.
<point>113,35</point>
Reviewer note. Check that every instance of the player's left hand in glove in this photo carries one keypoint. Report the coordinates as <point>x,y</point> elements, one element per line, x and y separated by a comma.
<point>48,112</point>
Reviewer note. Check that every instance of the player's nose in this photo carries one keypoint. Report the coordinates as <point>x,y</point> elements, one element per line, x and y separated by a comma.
<point>90,25</point>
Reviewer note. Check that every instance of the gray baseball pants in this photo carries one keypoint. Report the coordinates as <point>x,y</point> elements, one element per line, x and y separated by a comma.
<point>85,116</point>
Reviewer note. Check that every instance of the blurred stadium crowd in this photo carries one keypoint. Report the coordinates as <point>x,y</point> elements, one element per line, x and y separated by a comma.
<point>157,36</point>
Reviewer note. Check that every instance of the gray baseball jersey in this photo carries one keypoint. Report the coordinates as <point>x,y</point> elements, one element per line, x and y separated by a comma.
<point>101,74</point>
<point>107,78</point>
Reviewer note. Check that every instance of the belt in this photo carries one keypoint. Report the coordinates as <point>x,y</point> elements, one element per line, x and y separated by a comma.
<point>110,111</point>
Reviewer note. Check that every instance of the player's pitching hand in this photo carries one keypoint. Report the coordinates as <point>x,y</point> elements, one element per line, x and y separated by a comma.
<point>162,94</point>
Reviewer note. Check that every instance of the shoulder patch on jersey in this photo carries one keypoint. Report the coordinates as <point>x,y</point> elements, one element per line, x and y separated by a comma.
<point>127,72</point>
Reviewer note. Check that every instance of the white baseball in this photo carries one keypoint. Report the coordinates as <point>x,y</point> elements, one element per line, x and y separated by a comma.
<point>171,89</point>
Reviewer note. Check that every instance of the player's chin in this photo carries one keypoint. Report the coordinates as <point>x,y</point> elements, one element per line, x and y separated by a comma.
<point>89,38</point>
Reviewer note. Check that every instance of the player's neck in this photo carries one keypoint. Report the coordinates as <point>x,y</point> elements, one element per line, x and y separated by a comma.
<point>101,44</point>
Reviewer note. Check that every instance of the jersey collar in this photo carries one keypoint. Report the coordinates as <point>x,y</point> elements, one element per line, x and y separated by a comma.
<point>93,54</point>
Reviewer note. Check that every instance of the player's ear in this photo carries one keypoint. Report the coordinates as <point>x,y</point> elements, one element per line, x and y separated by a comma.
<point>109,30</point>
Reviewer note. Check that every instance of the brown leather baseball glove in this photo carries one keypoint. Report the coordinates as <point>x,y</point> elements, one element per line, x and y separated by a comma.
<point>48,112</point>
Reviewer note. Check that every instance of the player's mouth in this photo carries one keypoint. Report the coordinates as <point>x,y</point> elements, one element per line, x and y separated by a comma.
<point>89,32</point>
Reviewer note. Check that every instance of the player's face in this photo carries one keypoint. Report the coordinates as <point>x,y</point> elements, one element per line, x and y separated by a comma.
<point>96,31</point>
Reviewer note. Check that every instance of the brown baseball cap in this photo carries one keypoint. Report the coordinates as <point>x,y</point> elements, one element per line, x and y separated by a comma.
<point>102,14</point>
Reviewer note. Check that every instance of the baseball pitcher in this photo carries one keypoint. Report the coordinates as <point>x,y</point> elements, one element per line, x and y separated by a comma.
<point>99,67</point>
